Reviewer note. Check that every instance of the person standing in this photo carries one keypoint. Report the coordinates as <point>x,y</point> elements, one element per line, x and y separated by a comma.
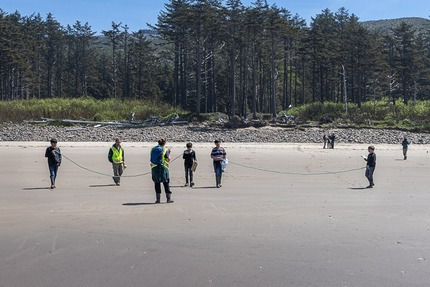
<point>218,154</point>
<point>116,157</point>
<point>53,154</point>
<point>189,157</point>
<point>371,165</point>
<point>160,158</point>
<point>331,140</point>
<point>405,144</point>
<point>325,140</point>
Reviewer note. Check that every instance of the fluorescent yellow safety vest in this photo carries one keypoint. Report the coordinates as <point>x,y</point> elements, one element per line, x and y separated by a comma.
<point>117,155</point>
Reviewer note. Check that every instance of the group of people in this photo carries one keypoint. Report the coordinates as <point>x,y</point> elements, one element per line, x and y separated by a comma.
<point>160,158</point>
<point>159,161</point>
<point>329,141</point>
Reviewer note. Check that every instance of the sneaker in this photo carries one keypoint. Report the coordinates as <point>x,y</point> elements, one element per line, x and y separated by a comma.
<point>370,186</point>
<point>186,184</point>
<point>170,201</point>
<point>117,183</point>
<point>192,184</point>
<point>52,187</point>
<point>218,186</point>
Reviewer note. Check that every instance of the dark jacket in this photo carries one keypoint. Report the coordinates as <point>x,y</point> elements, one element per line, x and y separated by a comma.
<point>53,155</point>
<point>189,157</point>
<point>371,160</point>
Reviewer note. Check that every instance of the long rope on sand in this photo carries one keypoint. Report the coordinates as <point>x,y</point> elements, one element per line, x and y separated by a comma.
<point>234,163</point>
<point>110,175</point>
<point>296,173</point>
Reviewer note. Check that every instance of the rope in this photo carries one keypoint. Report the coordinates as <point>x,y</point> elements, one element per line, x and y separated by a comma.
<point>110,175</point>
<point>235,163</point>
<point>297,173</point>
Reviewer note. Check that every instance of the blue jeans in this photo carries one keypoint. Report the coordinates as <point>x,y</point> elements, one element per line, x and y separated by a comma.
<point>53,169</point>
<point>217,169</point>
<point>369,173</point>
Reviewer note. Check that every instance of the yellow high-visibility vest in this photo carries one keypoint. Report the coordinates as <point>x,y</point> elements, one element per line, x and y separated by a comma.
<point>117,155</point>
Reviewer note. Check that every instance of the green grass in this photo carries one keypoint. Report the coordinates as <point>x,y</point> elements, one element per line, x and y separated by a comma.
<point>82,109</point>
<point>381,114</point>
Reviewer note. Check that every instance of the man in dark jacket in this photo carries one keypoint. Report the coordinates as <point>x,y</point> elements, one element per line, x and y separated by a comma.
<point>371,164</point>
<point>53,154</point>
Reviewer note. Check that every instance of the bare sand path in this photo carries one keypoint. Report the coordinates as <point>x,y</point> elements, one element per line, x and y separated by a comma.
<point>259,229</point>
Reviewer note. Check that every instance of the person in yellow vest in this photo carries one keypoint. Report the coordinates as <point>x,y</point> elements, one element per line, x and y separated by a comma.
<point>160,158</point>
<point>116,157</point>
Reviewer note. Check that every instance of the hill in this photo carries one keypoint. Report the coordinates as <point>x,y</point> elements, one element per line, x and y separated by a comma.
<point>386,26</point>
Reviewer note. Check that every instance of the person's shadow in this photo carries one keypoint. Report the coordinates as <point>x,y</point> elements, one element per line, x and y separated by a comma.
<point>358,188</point>
<point>103,185</point>
<point>35,188</point>
<point>138,203</point>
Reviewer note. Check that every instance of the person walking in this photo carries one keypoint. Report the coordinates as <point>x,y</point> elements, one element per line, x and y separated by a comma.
<point>160,158</point>
<point>370,166</point>
<point>53,154</point>
<point>218,154</point>
<point>405,144</point>
<point>116,157</point>
<point>189,157</point>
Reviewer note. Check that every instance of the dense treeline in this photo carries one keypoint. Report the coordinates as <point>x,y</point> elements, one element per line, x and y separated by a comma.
<point>216,56</point>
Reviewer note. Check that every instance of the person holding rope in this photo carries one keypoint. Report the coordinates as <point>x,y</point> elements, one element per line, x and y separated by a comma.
<point>218,154</point>
<point>370,166</point>
<point>160,158</point>
<point>53,154</point>
<point>116,157</point>
<point>189,157</point>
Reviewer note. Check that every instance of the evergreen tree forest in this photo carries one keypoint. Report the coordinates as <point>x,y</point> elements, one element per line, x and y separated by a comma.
<point>216,56</point>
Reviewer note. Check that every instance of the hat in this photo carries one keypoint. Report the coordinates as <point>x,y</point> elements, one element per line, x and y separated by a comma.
<point>53,140</point>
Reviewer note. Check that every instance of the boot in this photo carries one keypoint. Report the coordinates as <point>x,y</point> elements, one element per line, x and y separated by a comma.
<point>169,200</point>
<point>158,197</point>
<point>370,185</point>
<point>406,157</point>
<point>373,184</point>
<point>52,183</point>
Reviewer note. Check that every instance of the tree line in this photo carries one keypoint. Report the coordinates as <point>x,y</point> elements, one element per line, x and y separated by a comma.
<point>216,56</point>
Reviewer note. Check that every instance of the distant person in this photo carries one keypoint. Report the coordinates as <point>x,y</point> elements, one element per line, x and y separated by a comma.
<point>370,166</point>
<point>325,140</point>
<point>160,158</point>
<point>189,157</point>
<point>116,157</point>
<point>53,154</point>
<point>218,154</point>
<point>405,144</point>
<point>331,140</point>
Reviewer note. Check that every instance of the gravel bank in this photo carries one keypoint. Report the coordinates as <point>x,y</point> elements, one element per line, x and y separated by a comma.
<point>201,133</point>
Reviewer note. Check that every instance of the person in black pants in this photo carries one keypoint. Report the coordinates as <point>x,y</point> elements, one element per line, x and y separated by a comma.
<point>371,164</point>
<point>53,154</point>
<point>189,157</point>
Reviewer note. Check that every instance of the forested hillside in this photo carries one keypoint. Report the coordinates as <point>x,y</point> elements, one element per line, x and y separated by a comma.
<point>217,56</point>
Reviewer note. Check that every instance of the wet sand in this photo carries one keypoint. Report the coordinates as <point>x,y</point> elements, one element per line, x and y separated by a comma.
<point>260,229</point>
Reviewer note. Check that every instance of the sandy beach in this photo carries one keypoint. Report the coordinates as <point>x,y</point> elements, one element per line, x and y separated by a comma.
<point>299,217</point>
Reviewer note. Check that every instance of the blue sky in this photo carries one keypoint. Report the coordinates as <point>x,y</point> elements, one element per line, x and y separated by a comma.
<point>136,13</point>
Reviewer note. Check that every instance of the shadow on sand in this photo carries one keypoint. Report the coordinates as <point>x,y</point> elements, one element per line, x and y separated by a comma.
<point>202,187</point>
<point>138,203</point>
<point>35,188</point>
<point>358,188</point>
<point>102,185</point>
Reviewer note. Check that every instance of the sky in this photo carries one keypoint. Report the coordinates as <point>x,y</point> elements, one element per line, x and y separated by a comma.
<point>136,13</point>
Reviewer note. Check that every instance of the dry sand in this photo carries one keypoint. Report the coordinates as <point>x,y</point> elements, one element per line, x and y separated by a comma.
<point>259,229</point>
